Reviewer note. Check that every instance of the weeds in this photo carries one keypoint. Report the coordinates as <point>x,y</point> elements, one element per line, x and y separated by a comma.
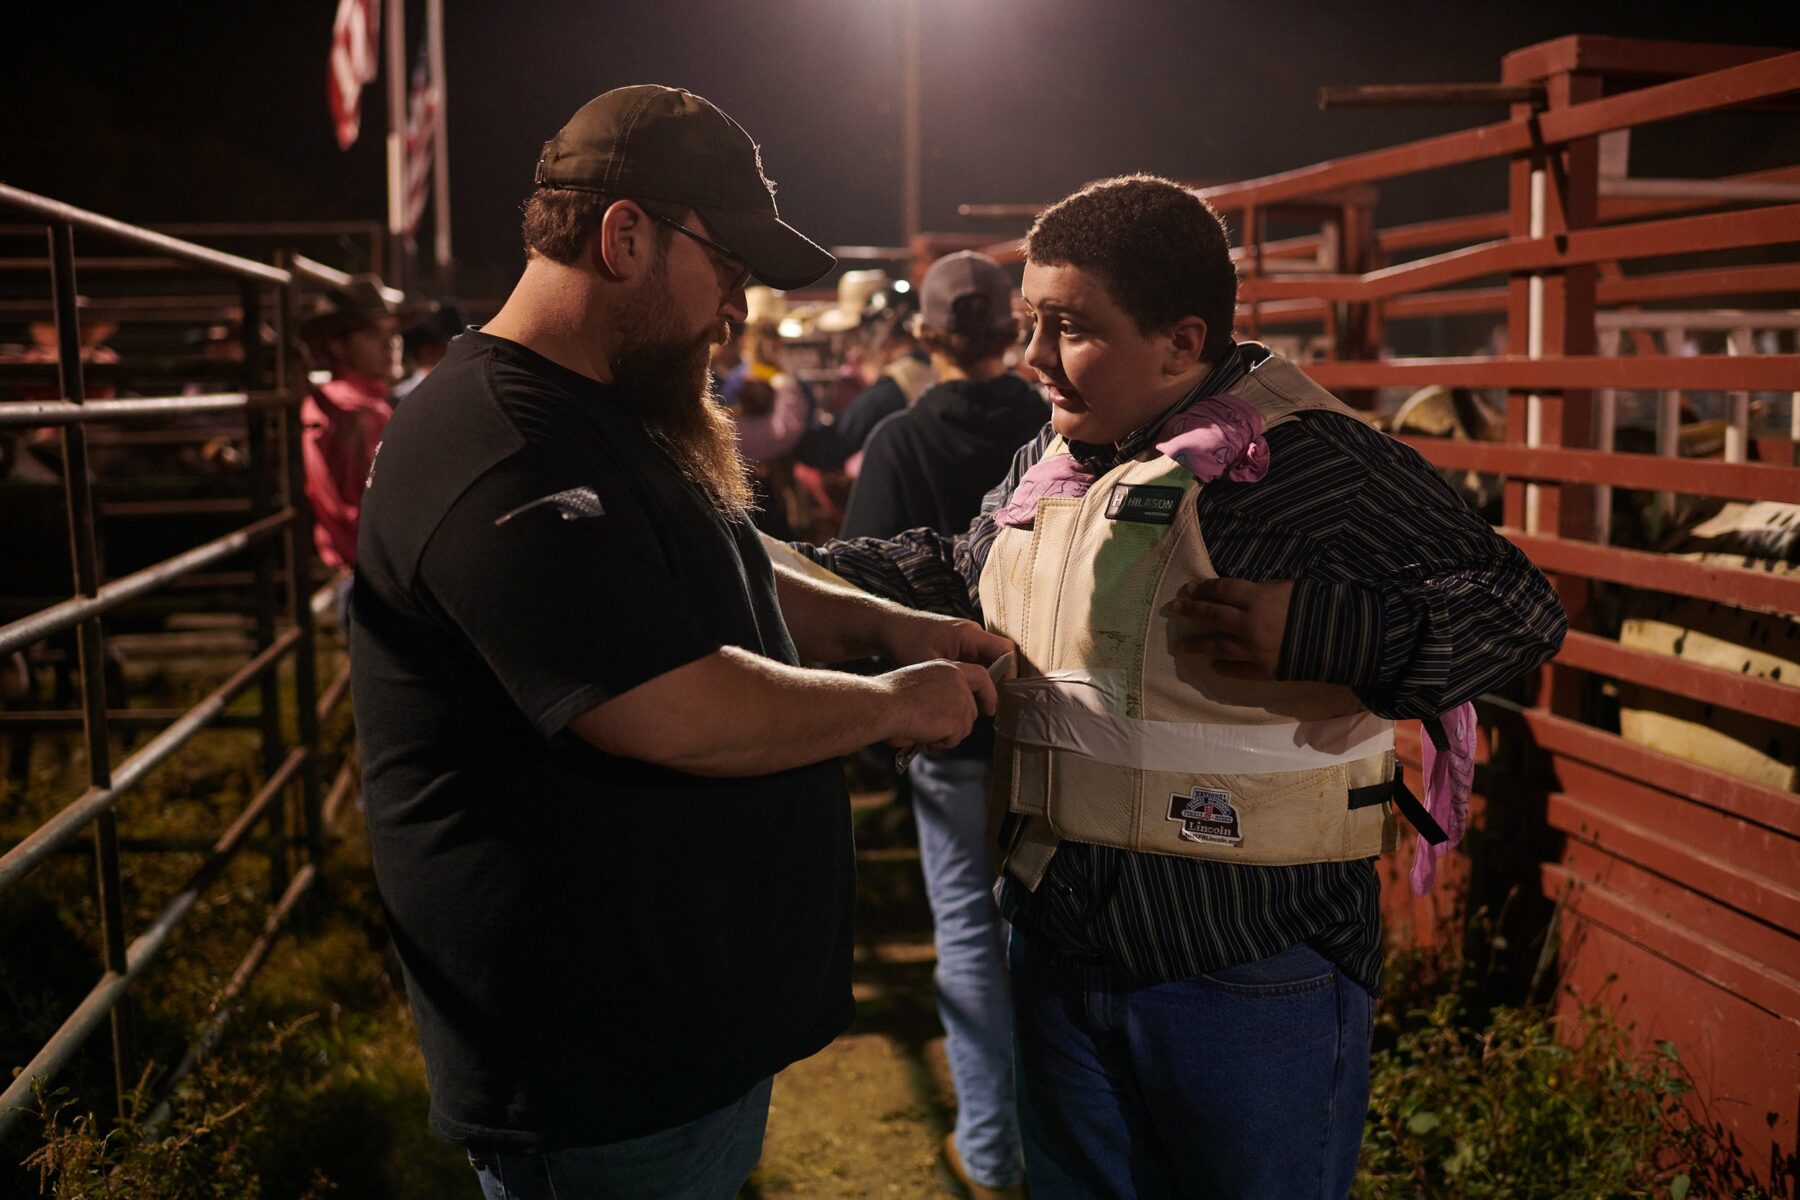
<point>317,1089</point>
<point>210,1152</point>
<point>1476,1100</point>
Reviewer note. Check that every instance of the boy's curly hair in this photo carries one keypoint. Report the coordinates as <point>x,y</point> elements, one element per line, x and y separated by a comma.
<point>1161,251</point>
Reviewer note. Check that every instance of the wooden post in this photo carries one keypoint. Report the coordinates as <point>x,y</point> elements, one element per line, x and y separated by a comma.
<point>1554,191</point>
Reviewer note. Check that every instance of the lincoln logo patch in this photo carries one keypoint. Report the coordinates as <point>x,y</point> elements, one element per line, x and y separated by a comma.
<point>1150,505</point>
<point>1206,815</point>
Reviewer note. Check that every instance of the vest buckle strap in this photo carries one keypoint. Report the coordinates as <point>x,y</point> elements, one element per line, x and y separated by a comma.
<point>1434,729</point>
<point>1395,789</point>
<point>1033,845</point>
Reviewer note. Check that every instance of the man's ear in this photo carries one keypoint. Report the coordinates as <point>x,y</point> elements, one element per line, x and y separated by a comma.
<point>624,244</point>
<point>1187,338</point>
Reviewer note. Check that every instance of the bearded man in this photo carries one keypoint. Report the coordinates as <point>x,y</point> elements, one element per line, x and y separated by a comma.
<point>607,819</point>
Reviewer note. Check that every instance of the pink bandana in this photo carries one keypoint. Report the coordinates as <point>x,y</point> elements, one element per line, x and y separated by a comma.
<point>1218,436</point>
<point>1449,776</point>
<point>1049,478</point>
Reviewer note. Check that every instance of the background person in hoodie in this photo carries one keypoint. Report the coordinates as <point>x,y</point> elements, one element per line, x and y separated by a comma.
<point>929,466</point>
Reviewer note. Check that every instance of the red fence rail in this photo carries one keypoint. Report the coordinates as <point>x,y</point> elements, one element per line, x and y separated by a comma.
<point>1677,883</point>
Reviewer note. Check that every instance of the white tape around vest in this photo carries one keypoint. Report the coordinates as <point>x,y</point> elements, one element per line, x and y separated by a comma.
<point>1099,692</point>
<point>1069,711</point>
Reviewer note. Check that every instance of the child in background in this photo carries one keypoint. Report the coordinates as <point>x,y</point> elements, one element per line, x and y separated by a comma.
<point>356,337</point>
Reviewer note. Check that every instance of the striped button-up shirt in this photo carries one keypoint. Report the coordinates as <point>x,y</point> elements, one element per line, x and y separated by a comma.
<point>1400,593</point>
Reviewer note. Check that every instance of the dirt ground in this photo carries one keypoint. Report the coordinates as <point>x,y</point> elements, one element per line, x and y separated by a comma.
<point>856,1119</point>
<point>865,1116</point>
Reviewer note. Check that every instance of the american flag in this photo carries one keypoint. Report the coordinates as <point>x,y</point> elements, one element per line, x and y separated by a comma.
<point>354,58</point>
<point>421,130</point>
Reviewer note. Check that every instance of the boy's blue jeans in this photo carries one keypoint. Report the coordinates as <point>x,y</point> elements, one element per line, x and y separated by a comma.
<point>1252,1081</point>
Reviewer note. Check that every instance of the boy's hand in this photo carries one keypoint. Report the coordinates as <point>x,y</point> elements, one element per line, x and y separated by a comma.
<point>1241,624</point>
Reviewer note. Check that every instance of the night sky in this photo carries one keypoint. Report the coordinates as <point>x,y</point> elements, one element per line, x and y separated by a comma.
<point>212,111</point>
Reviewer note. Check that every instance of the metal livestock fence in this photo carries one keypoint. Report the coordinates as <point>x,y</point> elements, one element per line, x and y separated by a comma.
<point>277,537</point>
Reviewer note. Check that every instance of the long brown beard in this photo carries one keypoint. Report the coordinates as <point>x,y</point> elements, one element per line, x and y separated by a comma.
<point>664,378</point>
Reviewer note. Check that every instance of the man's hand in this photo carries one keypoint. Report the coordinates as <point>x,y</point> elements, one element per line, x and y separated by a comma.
<point>916,637</point>
<point>938,703</point>
<point>1241,624</point>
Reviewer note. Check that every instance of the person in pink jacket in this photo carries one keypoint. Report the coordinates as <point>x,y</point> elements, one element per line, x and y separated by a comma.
<point>356,337</point>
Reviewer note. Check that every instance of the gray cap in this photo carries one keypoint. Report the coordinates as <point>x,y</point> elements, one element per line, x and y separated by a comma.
<point>963,274</point>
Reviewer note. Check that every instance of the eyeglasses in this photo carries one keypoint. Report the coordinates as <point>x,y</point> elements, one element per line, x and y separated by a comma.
<point>738,280</point>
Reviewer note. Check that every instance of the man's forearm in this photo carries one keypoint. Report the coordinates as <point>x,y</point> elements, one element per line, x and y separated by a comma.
<point>734,713</point>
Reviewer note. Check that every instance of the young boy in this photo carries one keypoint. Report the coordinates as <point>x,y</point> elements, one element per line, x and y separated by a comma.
<point>356,338</point>
<point>1224,586</point>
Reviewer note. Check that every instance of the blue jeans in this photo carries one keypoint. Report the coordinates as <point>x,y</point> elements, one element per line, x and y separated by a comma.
<point>706,1159</point>
<point>341,604</point>
<point>1252,1081</point>
<point>950,807</point>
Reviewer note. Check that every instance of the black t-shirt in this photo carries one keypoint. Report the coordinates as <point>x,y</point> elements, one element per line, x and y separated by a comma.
<point>595,947</point>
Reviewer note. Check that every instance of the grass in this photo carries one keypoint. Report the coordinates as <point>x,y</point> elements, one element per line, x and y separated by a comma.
<point>318,1086</point>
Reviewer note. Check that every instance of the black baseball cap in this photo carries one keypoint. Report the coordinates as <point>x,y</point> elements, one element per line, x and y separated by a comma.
<point>669,149</point>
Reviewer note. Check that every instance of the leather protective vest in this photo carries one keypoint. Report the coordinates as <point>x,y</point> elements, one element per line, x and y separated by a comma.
<point>1106,736</point>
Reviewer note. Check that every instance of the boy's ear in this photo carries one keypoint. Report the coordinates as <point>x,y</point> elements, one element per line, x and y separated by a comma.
<point>1187,341</point>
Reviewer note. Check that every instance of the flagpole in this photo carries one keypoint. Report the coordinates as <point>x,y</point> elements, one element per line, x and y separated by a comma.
<point>440,145</point>
<point>909,120</point>
<point>396,141</point>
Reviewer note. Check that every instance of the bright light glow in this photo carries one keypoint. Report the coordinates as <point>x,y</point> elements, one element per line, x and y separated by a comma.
<point>900,285</point>
<point>790,327</point>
